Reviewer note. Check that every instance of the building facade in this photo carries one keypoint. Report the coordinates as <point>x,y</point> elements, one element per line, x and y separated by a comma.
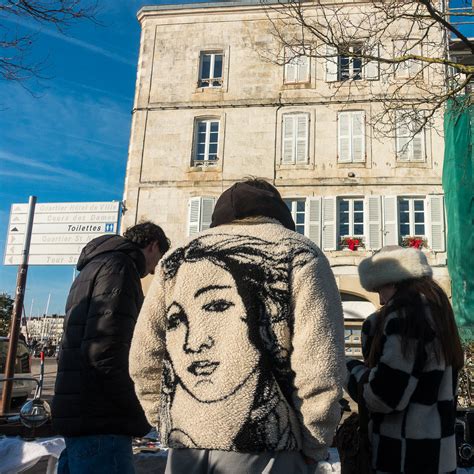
<point>210,110</point>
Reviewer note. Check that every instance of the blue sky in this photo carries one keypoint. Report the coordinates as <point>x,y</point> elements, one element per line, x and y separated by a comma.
<point>69,141</point>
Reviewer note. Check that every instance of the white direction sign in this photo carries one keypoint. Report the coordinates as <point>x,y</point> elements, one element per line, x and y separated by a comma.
<point>60,230</point>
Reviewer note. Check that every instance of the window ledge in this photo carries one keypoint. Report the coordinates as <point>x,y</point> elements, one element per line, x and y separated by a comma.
<point>205,169</point>
<point>412,164</point>
<point>351,165</point>
<point>297,85</point>
<point>285,166</point>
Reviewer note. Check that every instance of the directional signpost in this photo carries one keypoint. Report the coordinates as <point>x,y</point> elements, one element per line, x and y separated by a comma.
<point>60,230</point>
<point>48,234</point>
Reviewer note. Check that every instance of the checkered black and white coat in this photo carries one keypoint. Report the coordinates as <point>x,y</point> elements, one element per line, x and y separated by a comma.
<point>410,398</point>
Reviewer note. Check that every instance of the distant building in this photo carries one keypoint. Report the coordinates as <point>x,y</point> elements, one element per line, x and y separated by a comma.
<point>210,111</point>
<point>44,328</point>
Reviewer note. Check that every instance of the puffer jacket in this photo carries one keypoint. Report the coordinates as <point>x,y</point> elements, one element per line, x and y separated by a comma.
<point>239,345</point>
<point>94,393</point>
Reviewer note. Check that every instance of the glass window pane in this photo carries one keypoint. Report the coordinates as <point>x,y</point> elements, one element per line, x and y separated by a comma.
<point>358,217</point>
<point>419,205</point>
<point>358,229</point>
<point>358,205</point>
<point>202,127</point>
<point>214,126</point>
<point>218,66</point>
<point>299,218</point>
<point>404,229</point>
<point>419,217</point>
<point>343,205</point>
<point>403,205</point>
<point>404,218</point>
<point>213,148</point>
<point>201,147</point>
<point>206,66</point>
<point>288,203</point>
<point>300,229</point>
<point>419,229</point>
<point>214,137</point>
<point>343,229</point>
<point>300,206</point>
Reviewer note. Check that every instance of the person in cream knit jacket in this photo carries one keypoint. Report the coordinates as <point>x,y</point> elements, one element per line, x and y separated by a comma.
<point>238,352</point>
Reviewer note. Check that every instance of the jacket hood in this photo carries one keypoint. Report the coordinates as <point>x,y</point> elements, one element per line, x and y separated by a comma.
<point>112,243</point>
<point>242,200</point>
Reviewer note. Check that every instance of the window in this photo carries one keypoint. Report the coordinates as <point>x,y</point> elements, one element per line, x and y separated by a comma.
<point>351,137</point>
<point>348,66</point>
<point>210,71</point>
<point>410,67</point>
<point>295,138</point>
<point>344,63</point>
<point>200,211</point>
<point>351,217</point>
<point>206,142</point>
<point>297,208</point>
<point>410,145</point>
<point>411,217</point>
<point>296,68</point>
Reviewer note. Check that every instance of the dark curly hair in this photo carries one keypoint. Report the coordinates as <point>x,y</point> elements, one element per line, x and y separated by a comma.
<point>145,233</point>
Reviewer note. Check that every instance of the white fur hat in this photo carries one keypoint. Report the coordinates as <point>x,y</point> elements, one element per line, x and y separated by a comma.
<point>392,265</point>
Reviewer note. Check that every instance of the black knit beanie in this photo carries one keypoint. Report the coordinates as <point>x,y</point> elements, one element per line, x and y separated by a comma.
<point>244,200</point>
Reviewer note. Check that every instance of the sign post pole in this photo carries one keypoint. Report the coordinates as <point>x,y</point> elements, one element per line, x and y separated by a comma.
<point>17,310</point>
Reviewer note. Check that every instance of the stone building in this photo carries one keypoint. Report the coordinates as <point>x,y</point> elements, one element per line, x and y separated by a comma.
<point>209,110</point>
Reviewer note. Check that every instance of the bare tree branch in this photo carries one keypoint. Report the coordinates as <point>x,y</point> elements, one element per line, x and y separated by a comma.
<point>16,63</point>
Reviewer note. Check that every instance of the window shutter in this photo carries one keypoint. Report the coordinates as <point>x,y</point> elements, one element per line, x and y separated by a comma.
<point>331,63</point>
<point>418,147</point>
<point>436,219</point>
<point>373,222</point>
<point>344,137</point>
<point>288,139</point>
<point>403,140</point>
<point>371,69</point>
<point>303,69</point>
<point>302,138</point>
<point>207,208</point>
<point>358,136</point>
<point>313,220</point>
<point>194,215</point>
<point>329,223</point>
<point>390,220</point>
<point>291,71</point>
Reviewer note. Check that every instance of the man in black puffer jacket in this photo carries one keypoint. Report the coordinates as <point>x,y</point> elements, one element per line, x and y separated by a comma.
<point>95,407</point>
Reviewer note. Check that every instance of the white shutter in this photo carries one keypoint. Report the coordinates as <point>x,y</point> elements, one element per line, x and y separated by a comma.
<point>194,215</point>
<point>331,63</point>
<point>373,222</point>
<point>313,220</point>
<point>403,138</point>
<point>371,69</point>
<point>207,208</point>
<point>287,154</point>
<point>329,223</point>
<point>303,69</point>
<point>302,138</point>
<point>358,136</point>
<point>344,137</point>
<point>418,146</point>
<point>291,71</point>
<point>436,220</point>
<point>390,220</point>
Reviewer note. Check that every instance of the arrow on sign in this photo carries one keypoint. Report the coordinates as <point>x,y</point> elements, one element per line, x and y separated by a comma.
<point>14,229</point>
